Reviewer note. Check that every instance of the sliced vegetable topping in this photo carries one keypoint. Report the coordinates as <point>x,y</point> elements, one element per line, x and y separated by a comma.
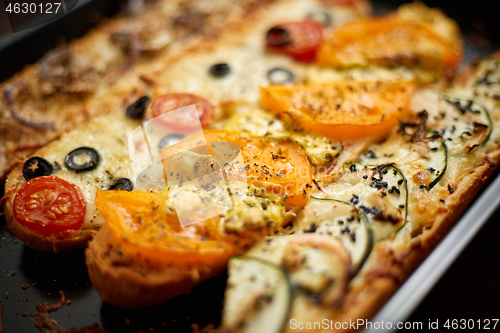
<point>36,167</point>
<point>340,220</point>
<point>388,41</point>
<point>490,76</point>
<point>170,140</point>
<point>219,70</point>
<point>49,205</point>
<point>470,122</point>
<point>82,159</point>
<point>169,102</point>
<point>60,71</point>
<point>278,166</point>
<point>438,162</point>
<point>279,75</point>
<point>122,184</point>
<point>319,266</point>
<point>9,93</point>
<point>282,167</point>
<point>142,222</point>
<point>136,109</point>
<point>424,153</point>
<point>345,110</point>
<point>321,17</point>
<point>381,192</point>
<point>258,296</point>
<point>296,39</point>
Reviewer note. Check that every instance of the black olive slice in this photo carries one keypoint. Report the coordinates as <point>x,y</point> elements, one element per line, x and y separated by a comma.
<point>321,17</point>
<point>170,140</point>
<point>277,37</point>
<point>279,75</point>
<point>219,70</point>
<point>122,184</point>
<point>87,166</point>
<point>36,167</point>
<point>136,109</point>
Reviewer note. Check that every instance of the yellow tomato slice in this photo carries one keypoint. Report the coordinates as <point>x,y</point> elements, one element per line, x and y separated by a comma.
<point>139,222</point>
<point>283,168</point>
<point>388,41</point>
<point>343,110</point>
<point>280,167</point>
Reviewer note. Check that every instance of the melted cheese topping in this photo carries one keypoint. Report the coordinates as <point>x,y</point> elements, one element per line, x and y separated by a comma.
<point>113,154</point>
<point>246,57</point>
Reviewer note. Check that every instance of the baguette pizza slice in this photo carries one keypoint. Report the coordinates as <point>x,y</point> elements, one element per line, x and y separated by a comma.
<point>387,207</point>
<point>150,252</point>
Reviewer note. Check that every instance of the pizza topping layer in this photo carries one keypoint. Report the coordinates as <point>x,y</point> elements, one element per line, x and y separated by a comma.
<point>380,192</point>
<point>148,225</point>
<point>378,185</point>
<point>279,75</point>
<point>82,159</point>
<point>340,220</point>
<point>315,266</point>
<point>173,101</point>
<point>296,39</point>
<point>122,184</point>
<point>321,17</point>
<point>36,166</point>
<point>49,205</point>
<point>395,39</point>
<point>318,265</point>
<point>169,140</point>
<point>62,71</point>
<point>258,296</point>
<point>219,70</point>
<point>138,221</point>
<point>344,110</point>
<point>319,150</point>
<point>136,109</point>
<point>10,97</point>
<point>280,166</point>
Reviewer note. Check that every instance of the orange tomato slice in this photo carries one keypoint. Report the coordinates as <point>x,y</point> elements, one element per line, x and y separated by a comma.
<point>343,110</point>
<point>139,222</point>
<point>280,167</point>
<point>388,41</point>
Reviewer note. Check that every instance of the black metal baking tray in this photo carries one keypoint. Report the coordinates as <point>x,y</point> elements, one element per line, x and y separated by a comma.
<point>466,291</point>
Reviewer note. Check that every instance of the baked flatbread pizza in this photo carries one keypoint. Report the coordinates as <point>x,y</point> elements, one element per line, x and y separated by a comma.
<point>316,153</point>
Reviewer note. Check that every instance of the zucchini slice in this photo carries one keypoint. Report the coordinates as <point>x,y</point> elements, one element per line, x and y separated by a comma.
<point>437,163</point>
<point>469,122</point>
<point>381,192</point>
<point>258,296</point>
<point>340,220</point>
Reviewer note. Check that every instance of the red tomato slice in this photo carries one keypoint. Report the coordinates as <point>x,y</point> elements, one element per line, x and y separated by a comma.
<point>170,102</point>
<point>296,39</point>
<point>49,205</point>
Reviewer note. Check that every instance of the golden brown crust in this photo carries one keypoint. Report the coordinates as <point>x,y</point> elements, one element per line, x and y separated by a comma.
<point>123,283</point>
